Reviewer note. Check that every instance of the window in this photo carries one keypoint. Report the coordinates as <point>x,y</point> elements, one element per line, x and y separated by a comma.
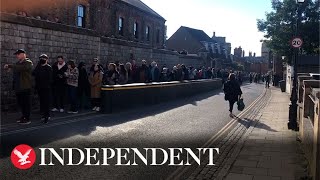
<point>121,26</point>
<point>81,16</point>
<point>135,30</point>
<point>148,33</point>
<point>158,36</point>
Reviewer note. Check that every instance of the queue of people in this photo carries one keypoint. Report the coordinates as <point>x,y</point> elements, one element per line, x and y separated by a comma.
<point>60,79</point>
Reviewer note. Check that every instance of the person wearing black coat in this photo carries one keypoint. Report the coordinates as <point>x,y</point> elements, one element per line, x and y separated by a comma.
<point>59,84</point>
<point>232,92</point>
<point>83,86</point>
<point>43,80</point>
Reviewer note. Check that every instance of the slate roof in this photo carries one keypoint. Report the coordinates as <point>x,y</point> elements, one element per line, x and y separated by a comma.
<point>142,6</point>
<point>199,35</point>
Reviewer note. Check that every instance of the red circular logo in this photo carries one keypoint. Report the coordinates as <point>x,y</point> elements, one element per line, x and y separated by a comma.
<point>23,156</point>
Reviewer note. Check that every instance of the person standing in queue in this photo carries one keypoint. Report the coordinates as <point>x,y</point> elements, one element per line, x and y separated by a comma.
<point>72,75</point>
<point>59,85</point>
<point>232,92</point>
<point>95,80</point>
<point>43,80</point>
<point>83,87</point>
<point>22,83</point>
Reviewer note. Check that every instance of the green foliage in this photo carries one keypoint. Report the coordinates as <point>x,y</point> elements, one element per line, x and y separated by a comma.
<point>279,26</point>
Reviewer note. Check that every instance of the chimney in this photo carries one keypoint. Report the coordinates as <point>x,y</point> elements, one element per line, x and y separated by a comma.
<point>214,34</point>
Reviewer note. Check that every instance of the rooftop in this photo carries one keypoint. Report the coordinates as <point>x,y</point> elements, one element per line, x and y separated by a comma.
<point>200,35</point>
<point>142,6</point>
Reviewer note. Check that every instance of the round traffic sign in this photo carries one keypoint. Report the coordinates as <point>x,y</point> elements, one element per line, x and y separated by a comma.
<point>296,42</point>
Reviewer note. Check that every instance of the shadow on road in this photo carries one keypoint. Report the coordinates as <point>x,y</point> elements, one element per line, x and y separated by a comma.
<point>87,125</point>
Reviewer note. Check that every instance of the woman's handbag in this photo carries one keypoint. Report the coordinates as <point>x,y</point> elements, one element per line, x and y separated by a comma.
<point>241,104</point>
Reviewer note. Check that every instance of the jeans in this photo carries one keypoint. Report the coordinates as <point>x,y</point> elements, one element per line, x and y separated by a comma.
<point>24,102</point>
<point>72,94</point>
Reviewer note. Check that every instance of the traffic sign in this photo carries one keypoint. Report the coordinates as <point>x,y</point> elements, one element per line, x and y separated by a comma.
<point>296,42</point>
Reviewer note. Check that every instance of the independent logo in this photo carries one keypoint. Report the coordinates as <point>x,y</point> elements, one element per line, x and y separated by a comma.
<point>23,156</point>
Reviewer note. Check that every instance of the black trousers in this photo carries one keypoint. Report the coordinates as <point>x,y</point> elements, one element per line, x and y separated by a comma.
<point>83,97</point>
<point>24,103</point>
<point>96,102</point>
<point>267,84</point>
<point>44,97</point>
<point>231,104</point>
<point>59,93</point>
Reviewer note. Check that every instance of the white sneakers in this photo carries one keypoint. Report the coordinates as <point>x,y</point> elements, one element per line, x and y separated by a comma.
<point>96,109</point>
<point>57,110</point>
<point>73,112</point>
<point>54,110</point>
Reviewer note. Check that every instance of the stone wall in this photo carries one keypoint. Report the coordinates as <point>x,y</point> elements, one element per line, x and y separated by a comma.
<point>37,37</point>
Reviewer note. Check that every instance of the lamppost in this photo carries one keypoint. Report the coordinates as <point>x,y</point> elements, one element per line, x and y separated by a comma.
<point>292,124</point>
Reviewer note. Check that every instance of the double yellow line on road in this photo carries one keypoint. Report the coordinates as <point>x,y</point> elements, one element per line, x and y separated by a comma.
<point>183,169</point>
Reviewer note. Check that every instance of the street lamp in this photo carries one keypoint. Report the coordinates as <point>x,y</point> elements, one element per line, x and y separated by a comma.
<point>292,124</point>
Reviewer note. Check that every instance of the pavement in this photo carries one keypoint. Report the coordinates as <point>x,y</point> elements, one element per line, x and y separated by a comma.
<point>266,150</point>
<point>199,121</point>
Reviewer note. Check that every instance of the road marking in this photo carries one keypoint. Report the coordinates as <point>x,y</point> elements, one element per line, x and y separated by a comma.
<point>49,125</point>
<point>182,169</point>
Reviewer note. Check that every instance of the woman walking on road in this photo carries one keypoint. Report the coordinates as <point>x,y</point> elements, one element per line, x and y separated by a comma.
<point>232,92</point>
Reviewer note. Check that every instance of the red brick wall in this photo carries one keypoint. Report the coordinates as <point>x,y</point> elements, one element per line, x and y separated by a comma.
<point>100,15</point>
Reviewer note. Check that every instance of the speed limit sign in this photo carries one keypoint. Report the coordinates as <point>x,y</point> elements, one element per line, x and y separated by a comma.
<point>296,42</point>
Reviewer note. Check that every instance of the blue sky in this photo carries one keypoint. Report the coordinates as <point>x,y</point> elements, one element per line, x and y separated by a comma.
<point>234,19</point>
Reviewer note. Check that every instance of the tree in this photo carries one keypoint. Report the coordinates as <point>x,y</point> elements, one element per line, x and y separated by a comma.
<point>279,26</point>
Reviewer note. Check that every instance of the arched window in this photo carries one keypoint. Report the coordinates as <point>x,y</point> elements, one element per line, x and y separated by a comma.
<point>81,16</point>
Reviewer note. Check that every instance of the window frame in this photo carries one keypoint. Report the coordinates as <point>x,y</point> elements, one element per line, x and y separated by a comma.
<point>81,14</point>
<point>136,30</point>
<point>121,26</point>
<point>147,33</point>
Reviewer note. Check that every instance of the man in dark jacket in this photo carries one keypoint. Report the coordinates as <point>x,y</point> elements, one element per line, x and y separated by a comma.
<point>59,84</point>
<point>232,92</point>
<point>22,83</point>
<point>43,78</point>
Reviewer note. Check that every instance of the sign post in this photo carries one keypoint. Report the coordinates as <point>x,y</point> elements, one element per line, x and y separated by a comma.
<point>296,43</point>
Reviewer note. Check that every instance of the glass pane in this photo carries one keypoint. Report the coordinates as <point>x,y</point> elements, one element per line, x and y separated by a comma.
<point>80,11</point>
<point>120,22</point>
<point>80,21</point>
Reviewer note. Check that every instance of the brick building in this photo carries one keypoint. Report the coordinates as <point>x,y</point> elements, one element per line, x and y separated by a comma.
<point>191,40</point>
<point>82,30</point>
<point>122,19</point>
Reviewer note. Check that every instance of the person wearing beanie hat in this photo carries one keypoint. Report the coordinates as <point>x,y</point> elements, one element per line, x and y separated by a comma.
<point>43,80</point>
